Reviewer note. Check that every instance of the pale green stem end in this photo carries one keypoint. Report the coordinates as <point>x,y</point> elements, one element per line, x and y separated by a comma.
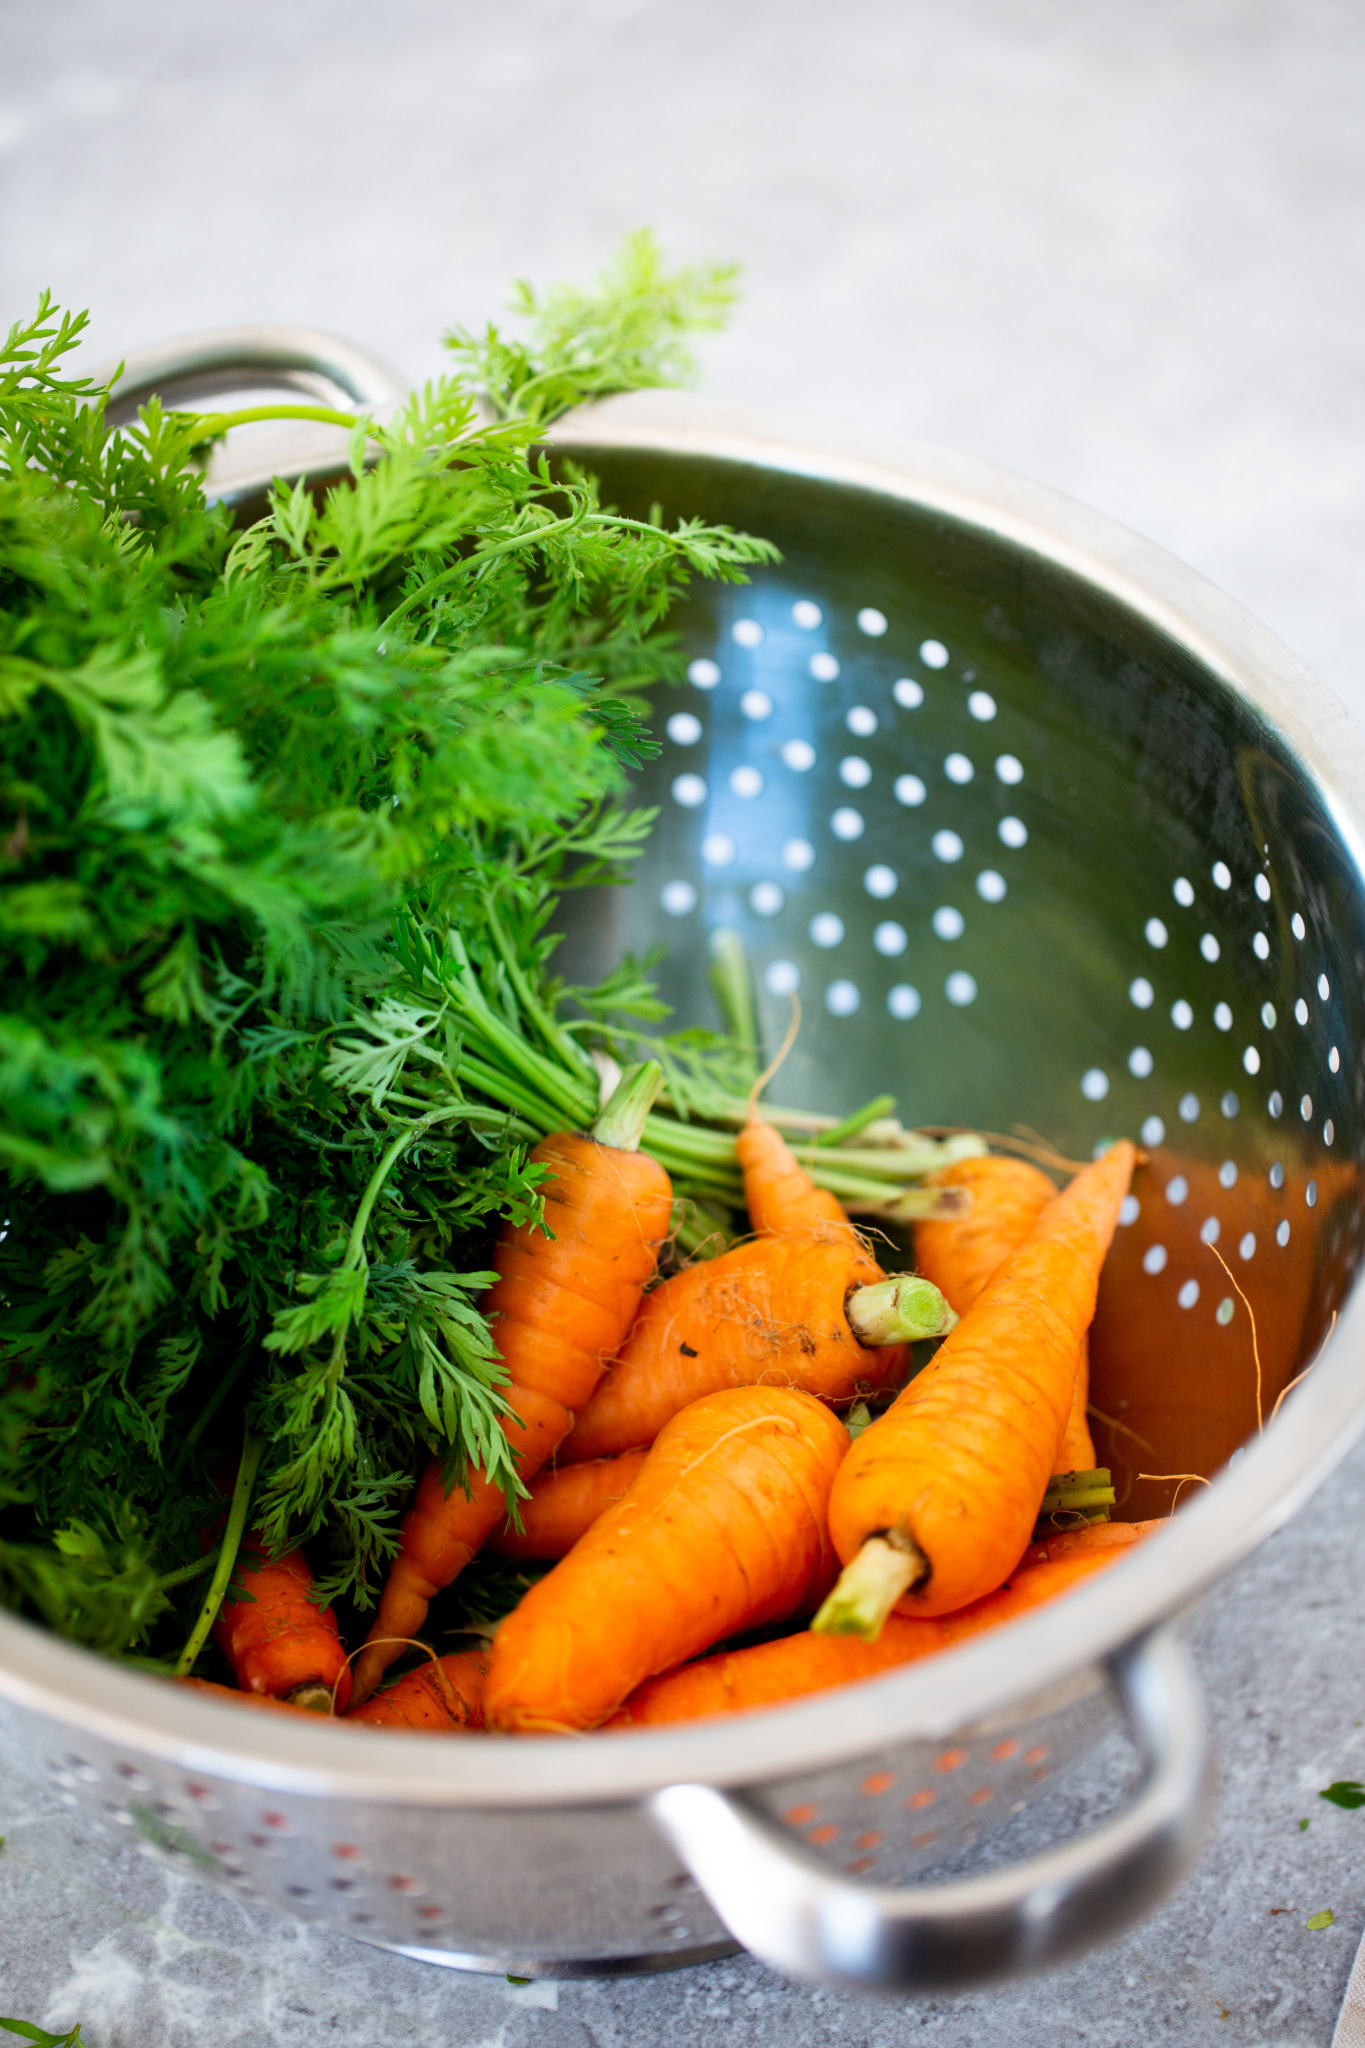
<point>920,1205</point>
<point>886,1568</point>
<point>899,1311</point>
<point>623,1120</point>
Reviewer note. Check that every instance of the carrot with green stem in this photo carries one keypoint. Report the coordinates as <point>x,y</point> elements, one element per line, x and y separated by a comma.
<point>561,1306</point>
<point>938,1498</point>
<point>804,1304</point>
<point>796,1311</point>
<point>724,1528</point>
<point>563,1504</point>
<point>960,1253</point>
<point>768,1674</point>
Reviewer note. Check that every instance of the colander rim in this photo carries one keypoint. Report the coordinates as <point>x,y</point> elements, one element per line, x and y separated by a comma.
<point>944,1696</point>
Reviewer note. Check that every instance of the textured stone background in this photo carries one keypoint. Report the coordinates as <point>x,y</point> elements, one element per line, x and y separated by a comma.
<point>1119,249</point>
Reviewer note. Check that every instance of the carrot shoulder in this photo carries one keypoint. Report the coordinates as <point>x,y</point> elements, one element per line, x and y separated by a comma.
<point>960,1254</point>
<point>563,1504</point>
<point>739,1681</point>
<point>937,1499</point>
<point>724,1529</point>
<point>561,1306</point>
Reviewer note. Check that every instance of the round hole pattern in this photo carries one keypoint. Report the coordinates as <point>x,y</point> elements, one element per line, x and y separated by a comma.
<point>880,881</point>
<point>908,693</point>
<point>799,755</point>
<point>718,850</point>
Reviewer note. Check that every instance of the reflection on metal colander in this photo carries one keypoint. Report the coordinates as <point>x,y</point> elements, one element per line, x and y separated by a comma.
<point>1025,866</point>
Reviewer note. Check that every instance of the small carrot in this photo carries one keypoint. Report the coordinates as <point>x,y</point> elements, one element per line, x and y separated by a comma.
<point>563,1503</point>
<point>959,1254</point>
<point>937,1499</point>
<point>724,1528</point>
<point>444,1696</point>
<point>562,1305</point>
<point>777,1311</point>
<point>765,1675</point>
<point>277,1640</point>
<point>1095,1536</point>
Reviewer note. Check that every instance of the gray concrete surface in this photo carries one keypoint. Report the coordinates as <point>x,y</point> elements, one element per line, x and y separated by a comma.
<point>1119,249</point>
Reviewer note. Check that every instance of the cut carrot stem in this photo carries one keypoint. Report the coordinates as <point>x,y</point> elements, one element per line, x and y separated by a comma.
<point>904,1310</point>
<point>884,1571</point>
<point>961,1461</point>
<point>562,1304</point>
<point>253,1449</point>
<point>623,1117</point>
<point>724,1528</point>
<point>740,1681</point>
<point>1068,1490</point>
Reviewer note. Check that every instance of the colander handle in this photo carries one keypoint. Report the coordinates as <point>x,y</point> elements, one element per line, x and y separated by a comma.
<point>295,361</point>
<point>786,1905</point>
<point>290,359</point>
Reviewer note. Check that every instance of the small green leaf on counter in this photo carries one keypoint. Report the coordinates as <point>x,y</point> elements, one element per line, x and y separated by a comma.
<point>41,2038</point>
<point>1347,1792</point>
<point>1303,1827</point>
<point>1317,1921</point>
<point>517,1980</point>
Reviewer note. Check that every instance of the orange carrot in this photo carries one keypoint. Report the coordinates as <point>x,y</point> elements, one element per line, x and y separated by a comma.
<point>279,1642</point>
<point>562,1305</point>
<point>444,1697</point>
<point>563,1503</point>
<point>937,1499</point>
<point>960,1254</point>
<point>723,1529</point>
<point>211,1690</point>
<point>781,1196</point>
<point>777,1311</point>
<point>738,1681</point>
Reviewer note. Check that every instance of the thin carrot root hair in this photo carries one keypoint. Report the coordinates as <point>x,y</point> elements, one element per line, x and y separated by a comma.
<point>1255,1346</point>
<point>1185,1479</point>
<point>778,1057</point>
<point>411,1642</point>
<point>1285,1391</point>
<point>1121,1428</point>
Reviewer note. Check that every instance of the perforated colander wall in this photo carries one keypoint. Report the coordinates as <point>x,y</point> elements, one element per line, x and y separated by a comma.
<point>1027,864</point>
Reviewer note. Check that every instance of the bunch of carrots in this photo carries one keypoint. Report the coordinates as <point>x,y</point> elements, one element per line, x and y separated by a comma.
<point>691,1461</point>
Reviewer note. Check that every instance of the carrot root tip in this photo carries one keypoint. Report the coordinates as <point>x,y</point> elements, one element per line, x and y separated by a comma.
<point>898,1311</point>
<point>886,1568</point>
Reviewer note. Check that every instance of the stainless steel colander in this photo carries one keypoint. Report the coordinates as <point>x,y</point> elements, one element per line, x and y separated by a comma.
<point>1047,833</point>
